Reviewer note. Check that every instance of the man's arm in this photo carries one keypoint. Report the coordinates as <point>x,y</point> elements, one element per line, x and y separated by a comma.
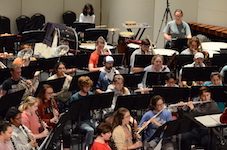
<point>2,92</point>
<point>92,69</point>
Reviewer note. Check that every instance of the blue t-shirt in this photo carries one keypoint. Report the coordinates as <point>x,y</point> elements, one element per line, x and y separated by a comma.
<point>162,118</point>
<point>77,96</point>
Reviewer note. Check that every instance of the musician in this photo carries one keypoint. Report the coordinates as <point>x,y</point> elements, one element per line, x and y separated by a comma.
<point>195,46</point>
<point>11,84</point>
<point>144,50</point>
<point>64,95</point>
<point>30,119</point>
<point>122,132</point>
<point>106,75</point>
<point>94,57</point>
<point>48,111</point>
<point>198,134</point>
<point>22,137</point>
<point>170,80</point>
<point>156,66</point>
<point>177,28</point>
<point>156,105</point>
<point>88,14</point>
<point>198,62</point>
<point>5,135</point>
<point>104,132</point>
<point>85,84</point>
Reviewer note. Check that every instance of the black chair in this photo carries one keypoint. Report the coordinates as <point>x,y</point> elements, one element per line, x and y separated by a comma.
<point>93,34</point>
<point>4,25</point>
<point>21,22</point>
<point>38,20</point>
<point>69,17</point>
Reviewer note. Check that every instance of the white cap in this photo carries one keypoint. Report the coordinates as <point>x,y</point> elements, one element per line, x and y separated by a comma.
<point>108,59</point>
<point>199,55</point>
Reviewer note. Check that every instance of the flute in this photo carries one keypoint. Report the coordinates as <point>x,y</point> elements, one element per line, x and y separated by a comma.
<point>148,122</point>
<point>142,90</point>
<point>199,102</point>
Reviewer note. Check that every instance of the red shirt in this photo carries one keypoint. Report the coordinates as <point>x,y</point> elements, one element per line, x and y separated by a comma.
<point>94,58</point>
<point>223,118</point>
<point>100,146</point>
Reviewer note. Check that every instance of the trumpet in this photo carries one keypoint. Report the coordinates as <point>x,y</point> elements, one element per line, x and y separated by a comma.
<point>148,122</point>
<point>183,104</point>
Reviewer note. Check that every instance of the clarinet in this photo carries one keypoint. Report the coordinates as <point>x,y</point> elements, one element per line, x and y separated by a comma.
<point>53,109</point>
<point>40,120</point>
<point>14,145</point>
<point>29,139</point>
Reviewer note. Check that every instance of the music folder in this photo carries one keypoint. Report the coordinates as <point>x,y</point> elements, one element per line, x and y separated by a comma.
<point>210,120</point>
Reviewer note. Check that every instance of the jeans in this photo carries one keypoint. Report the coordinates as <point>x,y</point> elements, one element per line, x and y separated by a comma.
<point>88,126</point>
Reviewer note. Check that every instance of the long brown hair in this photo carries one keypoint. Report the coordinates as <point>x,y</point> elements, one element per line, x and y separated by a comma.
<point>153,102</point>
<point>42,91</point>
<point>118,116</point>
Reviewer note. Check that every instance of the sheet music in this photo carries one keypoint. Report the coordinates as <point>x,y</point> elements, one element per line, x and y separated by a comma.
<point>210,120</point>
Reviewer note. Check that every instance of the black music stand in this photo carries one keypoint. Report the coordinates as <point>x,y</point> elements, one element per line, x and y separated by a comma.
<point>56,133</point>
<point>142,61</point>
<point>156,78</point>
<point>133,102</point>
<point>46,64</point>
<point>5,74</point>
<point>33,36</point>
<point>118,58</point>
<point>7,44</point>
<point>81,61</point>
<point>56,84</point>
<point>173,128</point>
<point>184,60</point>
<point>9,100</point>
<point>82,26</point>
<point>172,94</point>
<point>219,60</point>
<point>92,34</point>
<point>179,44</point>
<point>68,60</point>
<point>74,83</point>
<point>28,72</point>
<point>132,80</point>
<point>197,73</point>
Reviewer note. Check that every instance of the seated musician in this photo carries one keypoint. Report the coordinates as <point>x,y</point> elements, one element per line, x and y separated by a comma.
<point>85,84</point>
<point>64,95</point>
<point>176,28</point>
<point>198,62</point>
<point>156,66</point>
<point>104,132</point>
<point>156,105</point>
<point>14,83</point>
<point>30,119</point>
<point>119,90</point>
<point>199,134</point>
<point>106,75</point>
<point>215,80</point>
<point>22,137</point>
<point>94,57</point>
<point>170,80</point>
<point>145,49</point>
<point>194,46</point>
<point>48,111</point>
<point>122,131</point>
<point>5,135</point>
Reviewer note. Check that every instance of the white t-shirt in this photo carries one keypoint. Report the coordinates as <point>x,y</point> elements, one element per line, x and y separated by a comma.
<point>87,19</point>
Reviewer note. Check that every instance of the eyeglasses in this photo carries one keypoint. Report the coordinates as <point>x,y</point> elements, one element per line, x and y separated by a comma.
<point>49,93</point>
<point>18,119</point>
<point>128,116</point>
<point>178,16</point>
<point>159,105</point>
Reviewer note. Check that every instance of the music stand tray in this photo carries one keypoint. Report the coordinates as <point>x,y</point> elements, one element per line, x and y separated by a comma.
<point>118,58</point>
<point>132,80</point>
<point>103,100</point>
<point>155,78</point>
<point>46,64</point>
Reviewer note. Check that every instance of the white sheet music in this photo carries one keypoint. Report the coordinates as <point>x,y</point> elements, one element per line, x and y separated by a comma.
<point>210,120</point>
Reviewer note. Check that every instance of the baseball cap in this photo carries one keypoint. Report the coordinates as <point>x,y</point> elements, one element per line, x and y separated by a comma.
<point>108,59</point>
<point>199,55</point>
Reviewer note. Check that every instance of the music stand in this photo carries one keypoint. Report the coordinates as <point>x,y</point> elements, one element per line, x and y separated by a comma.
<point>5,74</point>
<point>100,101</point>
<point>74,83</point>
<point>93,34</point>
<point>133,102</point>
<point>184,60</point>
<point>33,36</point>
<point>156,78</point>
<point>28,72</point>
<point>7,42</point>
<point>9,100</point>
<point>142,60</point>
<point>179,44</point>
<point>81,61</point>
<point>68,60</point>
<point>118,58</point>
<point>132,80</point>
<point>55,134</point>
<point>46,64</point>
<point>56,84</point>
<point>82,26</point>
<point>197,73</point>
<point>219,60</point>
<point>172,94</point>
<point>174,127</point>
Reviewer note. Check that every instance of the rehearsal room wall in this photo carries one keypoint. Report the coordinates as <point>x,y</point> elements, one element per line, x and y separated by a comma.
<point>212,12</point>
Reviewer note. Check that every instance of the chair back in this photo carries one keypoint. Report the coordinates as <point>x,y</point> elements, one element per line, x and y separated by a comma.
<point>69,17</point>
<point>5,25</point>
<point>21,22</point>
<point>38,20</point>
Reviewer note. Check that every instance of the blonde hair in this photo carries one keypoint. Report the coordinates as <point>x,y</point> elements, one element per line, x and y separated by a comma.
<point>100,40</point>
<point>119,77</point>
<point>198,42</point>
<point>29,101</point>
<point>155,57</point>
